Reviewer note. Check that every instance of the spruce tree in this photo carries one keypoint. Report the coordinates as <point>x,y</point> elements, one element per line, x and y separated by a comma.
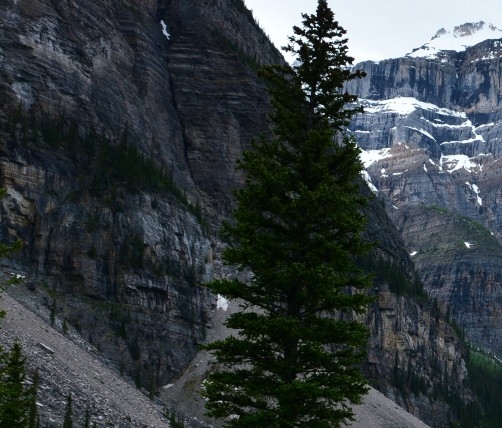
<point>87,419</point>
<point>296,232</point>
<point>68,414</point>
<point>15,397</point>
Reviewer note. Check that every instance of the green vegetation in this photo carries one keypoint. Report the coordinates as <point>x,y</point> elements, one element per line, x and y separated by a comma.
<point>297,227</point>
<point>470,226</point>
<point>406,380</point>
<point>246,59</point>
<point>174,420</point>
<point>439,209</point>
<point>17,399</point>
<point>485,380</point>
<point>393,273</point>
<point>68,414</point>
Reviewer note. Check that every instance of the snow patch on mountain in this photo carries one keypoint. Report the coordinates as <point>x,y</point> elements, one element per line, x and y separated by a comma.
<point>405,106</point>
<point>457,39</point>
<point>456,162</point>
<point>476,190</point>
<point>164,29</point>
<point>370,156</point>
<point>222,303</point>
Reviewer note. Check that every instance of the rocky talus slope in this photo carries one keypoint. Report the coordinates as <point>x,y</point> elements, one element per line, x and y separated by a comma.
<point>68,365</point>
<point>68,368</point>
<point>376,411</point>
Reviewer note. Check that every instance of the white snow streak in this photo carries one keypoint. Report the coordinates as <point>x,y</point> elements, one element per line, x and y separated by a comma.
<point>367,178</point>
<point>423,132</point>
<point>164,29</point>
<point>406,105</point>
<point>370,156</point>
<point>475,189</point>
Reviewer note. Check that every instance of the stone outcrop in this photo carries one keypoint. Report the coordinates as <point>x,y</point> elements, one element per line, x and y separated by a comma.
<point>465,81</point>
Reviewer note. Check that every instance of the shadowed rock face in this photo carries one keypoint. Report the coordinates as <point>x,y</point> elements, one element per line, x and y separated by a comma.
<point>432,147</point>
<point>177,80</point>
<point>169,72</point>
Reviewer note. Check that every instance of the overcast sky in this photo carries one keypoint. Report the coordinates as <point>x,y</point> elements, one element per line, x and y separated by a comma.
<point>378,29</point>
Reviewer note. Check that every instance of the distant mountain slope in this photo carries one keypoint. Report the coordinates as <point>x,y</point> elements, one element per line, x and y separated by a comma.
<point>432,147</point>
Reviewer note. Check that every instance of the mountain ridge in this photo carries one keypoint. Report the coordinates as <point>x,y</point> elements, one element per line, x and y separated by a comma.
<point>457,39</point>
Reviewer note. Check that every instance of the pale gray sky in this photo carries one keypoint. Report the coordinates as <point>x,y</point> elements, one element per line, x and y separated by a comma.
<point>378,29</point>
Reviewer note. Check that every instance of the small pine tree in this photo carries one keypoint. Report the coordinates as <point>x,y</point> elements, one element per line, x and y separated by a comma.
<point>15,399</point>
<point>68,414</point>
<point>87,420</point>
<point>33,416</point>
<point>53,313</point>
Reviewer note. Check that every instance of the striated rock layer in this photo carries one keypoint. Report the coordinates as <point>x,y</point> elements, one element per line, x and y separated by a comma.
<point>170,79</point>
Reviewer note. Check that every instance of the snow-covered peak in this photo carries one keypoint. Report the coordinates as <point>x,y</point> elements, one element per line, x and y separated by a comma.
<point>457,39</point>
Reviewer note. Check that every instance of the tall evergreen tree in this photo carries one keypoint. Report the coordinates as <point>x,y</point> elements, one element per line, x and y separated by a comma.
<point>297,228</point>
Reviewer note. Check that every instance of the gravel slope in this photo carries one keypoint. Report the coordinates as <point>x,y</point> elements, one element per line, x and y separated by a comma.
<point>66,367</point>
<point>377,411</point>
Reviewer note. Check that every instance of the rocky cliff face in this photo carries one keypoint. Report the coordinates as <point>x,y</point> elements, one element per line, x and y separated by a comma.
<point>175,84</point>
<point>431,139</point>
